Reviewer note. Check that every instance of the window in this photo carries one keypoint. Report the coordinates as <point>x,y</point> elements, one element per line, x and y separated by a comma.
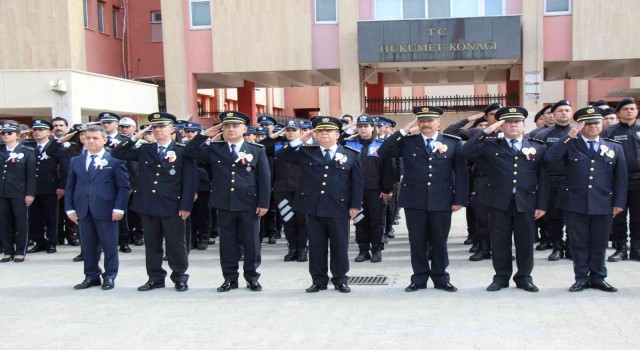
<point>86,13</point>
<point>156,17</point>
<point>200,13</point>
<point>156,26</point>
<point>115,23</point>
<point>326,11</point>
<point>407,9</point>
<point>100,19</point>
<point>557,7</point>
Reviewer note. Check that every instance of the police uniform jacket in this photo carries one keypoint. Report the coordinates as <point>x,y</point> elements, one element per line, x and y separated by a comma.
<point>286,175</point>
<point>594,184</point>
<point>433,181</point>
<point>551,136</point>
<point>507,170</point>
<point>18,174</point>
<point>378,172</point>
<point>52,167</point>
<point>326,190</point>
<point>239,184</point>
<point>629,138</point>
<point>164,186</point>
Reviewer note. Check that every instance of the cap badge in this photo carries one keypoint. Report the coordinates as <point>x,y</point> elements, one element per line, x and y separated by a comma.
<point>512,110</point>
<point>425,109</point>
<point>230,114</point>
<point>325,120</point>
<point>156,116</point>
<point>590,110</point>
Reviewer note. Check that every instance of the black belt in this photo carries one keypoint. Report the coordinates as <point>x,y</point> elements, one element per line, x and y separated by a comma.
<point>634,176</point>
<point>556,178</point>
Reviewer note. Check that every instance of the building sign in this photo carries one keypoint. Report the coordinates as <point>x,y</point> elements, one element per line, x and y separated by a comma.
<point>450,39</point>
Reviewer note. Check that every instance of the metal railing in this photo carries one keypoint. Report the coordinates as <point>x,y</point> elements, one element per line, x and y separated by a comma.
<point>454,103</point>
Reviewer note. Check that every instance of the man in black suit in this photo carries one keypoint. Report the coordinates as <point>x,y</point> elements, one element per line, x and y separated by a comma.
<point>240,192</point>
<point>330,194</point>
<point>594,191</point>
<point>435,185</point>
<point>52,165</point>
<point>517,194</point>
<point>164,198</point>
<point>96,198</point>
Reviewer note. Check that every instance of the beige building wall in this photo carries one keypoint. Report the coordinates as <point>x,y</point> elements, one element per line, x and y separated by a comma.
<point>41,34</point>
<point>593,22</point>
<point>265,35</point>
<point>351,94</point>
<point>278,98</point>
<point>176,83</point>
<point>532,53</point>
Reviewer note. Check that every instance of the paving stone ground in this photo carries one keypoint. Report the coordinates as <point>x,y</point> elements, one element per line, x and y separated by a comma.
<point>40,309</point>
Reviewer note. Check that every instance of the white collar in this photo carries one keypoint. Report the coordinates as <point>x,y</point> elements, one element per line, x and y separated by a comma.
<point>586,140</point>
<point>333,148</point>
<point>238,144</point>
<point>99,154</point>
<point>434,137</point>
<point>165,145</point>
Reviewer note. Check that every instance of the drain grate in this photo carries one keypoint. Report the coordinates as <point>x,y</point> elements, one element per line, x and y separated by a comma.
<point>369,280</point>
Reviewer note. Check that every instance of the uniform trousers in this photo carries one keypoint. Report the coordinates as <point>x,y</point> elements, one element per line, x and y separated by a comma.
<point>239,228</point>
<point>295,228</point>
<point>588,238</point>
<point>328,233</point>
<point>633,212</point>
<point>503,224</point>
<point>14,226</point>
<point>96,234</point>
<point>428,227</point>
<point>370,229</point>
<point>43,220</point>
<point>172,231</point>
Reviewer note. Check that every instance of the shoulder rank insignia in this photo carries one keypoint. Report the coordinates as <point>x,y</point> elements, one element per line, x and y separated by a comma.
<point>612,140</point>
<point>28,147</point>
<point>255,144</point>
<point>309,145</point>
<point>351,148</point>
<point>535,140</point>
<point>452,136</point>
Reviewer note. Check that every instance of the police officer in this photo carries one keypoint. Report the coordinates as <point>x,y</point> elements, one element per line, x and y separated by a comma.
<point>627,132</point>
<point>240,192</point>
<point>516,195</point>
<point>164,199</point>
<point>435,184</point>
<point>378,190</point>
<point>595,188</point>
<point>17,192</point>
<point>554,220</point>
<point>548,120</point>
<point>286,181</point>
<point>201,214</point>
<point>330,194</point>
<point>480,168</point>
<point>52,165</point>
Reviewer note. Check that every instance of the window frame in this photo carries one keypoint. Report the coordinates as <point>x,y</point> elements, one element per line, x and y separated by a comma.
<point>100,10</point>
<point>558,13</point>
<point>153,20</point>
<point>196,27</point>
<point>114,22</point>
<point>85,8</point>
<point>315,13</point>
<point>481,10</point>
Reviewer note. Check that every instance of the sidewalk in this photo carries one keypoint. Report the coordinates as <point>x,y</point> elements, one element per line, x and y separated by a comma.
<point>40,309</point>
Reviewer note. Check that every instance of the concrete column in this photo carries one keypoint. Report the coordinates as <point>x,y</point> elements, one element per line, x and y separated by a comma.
<point>532,53</point>
<point>177,84</point>
<point>350,81</point>
<point>247,100</point>
<point>583,94</point>
<point>63,107</point>
<point>324,100</point>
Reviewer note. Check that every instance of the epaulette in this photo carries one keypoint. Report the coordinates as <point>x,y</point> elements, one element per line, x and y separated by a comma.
<point>410,135</point>
<point>218,141</point>
<point>452,136</point>
<point>146,144</point>
<point>180,144</point>
<point>309,145</point>
<point>535,140</point>
<point>28,147</point>
<point>255,144</point>
<point>351,148</point>
<point>616,141</point>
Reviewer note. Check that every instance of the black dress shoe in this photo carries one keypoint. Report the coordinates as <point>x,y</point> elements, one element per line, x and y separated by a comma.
<point>87,283</point>
<point>6,259</point>
<point>544,245</point>
<point>78,258</point>
<point>254,286</point>
<point>496,286</point>
<point>342,288</point>
<point>480,255</point>
<point>74,242</point>
<point>107,284</point>
<point>528,287</point>
<point>202,246</point>
<point>391,234</point>
<point>603,286</point>
<point>469,241</point>
<point>302,257</point>
<point>51,250</point>
<point>125,248</point>
<point>316,288</point>
<point>227,286</point>
<point>182,286</point>
<point>579,286</point>
<point>18,260</point>
<point>447,287</point>
<point>138,241</point>
<point>291,255</point>
<point>150,285</point>
<point>414,287</point>
<point>272,240</point>
<point>37,248</point>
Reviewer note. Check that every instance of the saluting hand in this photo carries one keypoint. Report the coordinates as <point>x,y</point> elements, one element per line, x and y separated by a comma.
<point>307,135</point>
<point>67,137</point>
<point>573,132</point>
<point>140,134</point>
<point>212,131</point>
<point>475,117</point>
<point>277,134</point>
<point>411,124</point>
<point>493,127</point>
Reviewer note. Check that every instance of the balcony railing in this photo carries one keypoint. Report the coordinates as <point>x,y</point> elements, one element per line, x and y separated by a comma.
<point>454,103</point>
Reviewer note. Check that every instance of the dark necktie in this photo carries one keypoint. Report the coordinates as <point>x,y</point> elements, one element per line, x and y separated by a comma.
<point>514,148</point>
<point>92,170</point>
<point>108,140</point>
<point>234,155</point>
<point>592,147</point>
<point>40,148</point>
<point>161,151</point>
<point>327,156</point>
<point>429,148</point>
